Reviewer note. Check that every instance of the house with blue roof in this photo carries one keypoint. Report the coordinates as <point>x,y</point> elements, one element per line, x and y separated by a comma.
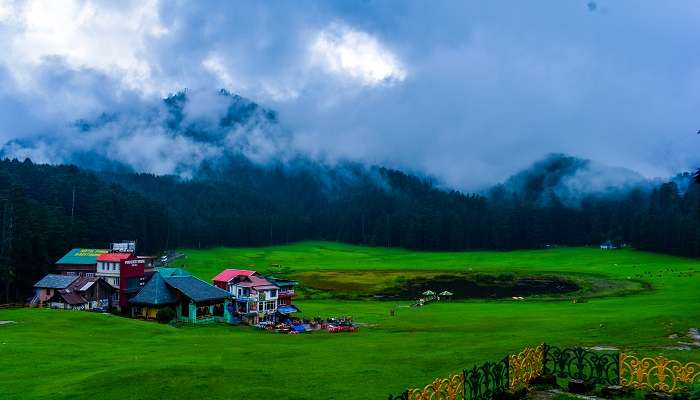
<point>193,299</point>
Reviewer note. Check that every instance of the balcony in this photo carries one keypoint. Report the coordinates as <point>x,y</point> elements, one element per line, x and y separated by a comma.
<point>286,293</point>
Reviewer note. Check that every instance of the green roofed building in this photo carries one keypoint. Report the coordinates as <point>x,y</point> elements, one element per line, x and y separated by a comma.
<point>79,262</point>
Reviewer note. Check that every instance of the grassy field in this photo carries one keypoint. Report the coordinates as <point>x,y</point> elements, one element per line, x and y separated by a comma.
<point>62,354</point>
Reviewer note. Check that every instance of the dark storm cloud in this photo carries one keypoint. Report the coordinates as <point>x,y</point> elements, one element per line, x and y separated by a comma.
<point>470,92</point>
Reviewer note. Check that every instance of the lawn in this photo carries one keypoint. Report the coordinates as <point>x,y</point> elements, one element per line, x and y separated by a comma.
<point>63,354</point>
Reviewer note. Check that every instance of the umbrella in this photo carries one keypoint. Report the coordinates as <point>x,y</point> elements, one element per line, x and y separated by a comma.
<point>428,293</point>
<point>446,293</point>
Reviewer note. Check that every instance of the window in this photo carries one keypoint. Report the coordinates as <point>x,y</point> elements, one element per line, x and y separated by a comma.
<point>273,293</point>
<point>270,305</point>
<point>116,281</point>
<point>261,306</point>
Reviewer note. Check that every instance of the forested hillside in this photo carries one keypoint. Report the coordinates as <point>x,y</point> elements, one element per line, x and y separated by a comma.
<point>46,210</point>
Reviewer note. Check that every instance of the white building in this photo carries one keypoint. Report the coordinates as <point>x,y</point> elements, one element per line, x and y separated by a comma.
<point>255,297</point>
<point>108,266</point>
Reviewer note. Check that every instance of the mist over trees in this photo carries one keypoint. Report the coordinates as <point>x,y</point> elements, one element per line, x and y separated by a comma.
<point>46,210</point>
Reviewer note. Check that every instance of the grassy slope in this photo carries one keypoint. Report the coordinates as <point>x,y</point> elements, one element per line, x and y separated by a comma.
<point>51,354</point>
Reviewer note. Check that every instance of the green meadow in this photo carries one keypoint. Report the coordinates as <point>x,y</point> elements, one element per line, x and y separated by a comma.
<point>69,354</point>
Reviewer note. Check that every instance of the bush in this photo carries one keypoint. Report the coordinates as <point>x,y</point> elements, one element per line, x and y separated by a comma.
<point>165,315</point>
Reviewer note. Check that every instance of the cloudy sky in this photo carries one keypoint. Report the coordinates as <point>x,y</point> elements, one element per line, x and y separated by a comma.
<point>467,91</point>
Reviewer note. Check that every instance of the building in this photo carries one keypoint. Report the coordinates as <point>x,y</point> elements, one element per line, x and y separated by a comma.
<point>132,277</point>
<point>226,277</point>
<point>150,262</point>
<point>257,298</point>
<point>48,285</point>
<point>286,293</point>
<point>73,292</point>
<point>154,295</point>
<point>193,300</point>
<point>109,266</point>
<point>608,245</point>
<point>79,262</point>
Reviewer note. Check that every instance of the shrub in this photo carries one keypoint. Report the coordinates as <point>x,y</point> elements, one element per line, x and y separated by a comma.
<point>165,315</point>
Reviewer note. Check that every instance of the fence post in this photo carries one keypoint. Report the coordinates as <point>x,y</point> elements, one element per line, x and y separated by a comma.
<point>506,360</point>
<point>464,384</point>
<point>545,352</point>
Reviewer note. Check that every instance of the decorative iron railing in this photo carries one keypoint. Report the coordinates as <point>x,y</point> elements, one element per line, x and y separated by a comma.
<point>657,374</point>
<point>524,366</point>
<point>483,382</point>
<point>581,363</point>
<point>450,388</point>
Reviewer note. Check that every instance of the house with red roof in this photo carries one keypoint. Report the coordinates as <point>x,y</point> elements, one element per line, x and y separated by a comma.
<point>226,277</point>
<point>255,297</point>
<point>108,266</point>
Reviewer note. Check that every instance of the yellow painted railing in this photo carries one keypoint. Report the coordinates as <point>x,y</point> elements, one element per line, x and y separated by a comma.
<point>657,374</point>
<point>526,365</point>
<point>450,388</point>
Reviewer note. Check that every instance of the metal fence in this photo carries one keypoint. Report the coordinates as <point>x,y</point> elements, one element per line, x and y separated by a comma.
<point>483,382</point>
<point>600,367</point>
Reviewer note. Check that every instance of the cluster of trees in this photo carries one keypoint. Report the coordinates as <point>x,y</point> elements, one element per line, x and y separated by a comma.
<point>46,210</point>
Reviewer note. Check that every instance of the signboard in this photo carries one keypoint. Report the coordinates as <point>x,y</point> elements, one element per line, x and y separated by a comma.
<point>124,247</point>
<point>89,253</point>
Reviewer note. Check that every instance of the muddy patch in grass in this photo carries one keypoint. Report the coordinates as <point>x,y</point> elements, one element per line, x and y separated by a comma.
<point>483,286</point>
<point>410,283</point>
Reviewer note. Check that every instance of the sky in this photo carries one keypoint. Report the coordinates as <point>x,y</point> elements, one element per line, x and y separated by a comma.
<point>469,92</point>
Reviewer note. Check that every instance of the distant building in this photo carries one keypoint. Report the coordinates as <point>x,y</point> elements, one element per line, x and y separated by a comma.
<point>79,262</point>
<point>608,245</point>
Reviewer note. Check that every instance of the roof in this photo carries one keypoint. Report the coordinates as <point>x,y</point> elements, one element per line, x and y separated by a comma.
<point>288,309</point>
<point>81,256</point>
<point>82,282</point>
<point>114,256</point>
<point>53,281</point>
<point>71,297</point>
<point>281,281</point>
<point>228,274</point>
<point>258,282</point>
<point>196,289</point>
<point>155,292</point>
<point>167,272</point>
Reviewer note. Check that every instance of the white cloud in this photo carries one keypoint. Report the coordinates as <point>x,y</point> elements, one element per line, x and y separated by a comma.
<point>344,51</point>
<point>84,34</point>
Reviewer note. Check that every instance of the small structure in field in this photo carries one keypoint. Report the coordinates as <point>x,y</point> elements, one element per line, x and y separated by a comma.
<point>608,245</point>
<point>447,295</point>
<point>428,295</point>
